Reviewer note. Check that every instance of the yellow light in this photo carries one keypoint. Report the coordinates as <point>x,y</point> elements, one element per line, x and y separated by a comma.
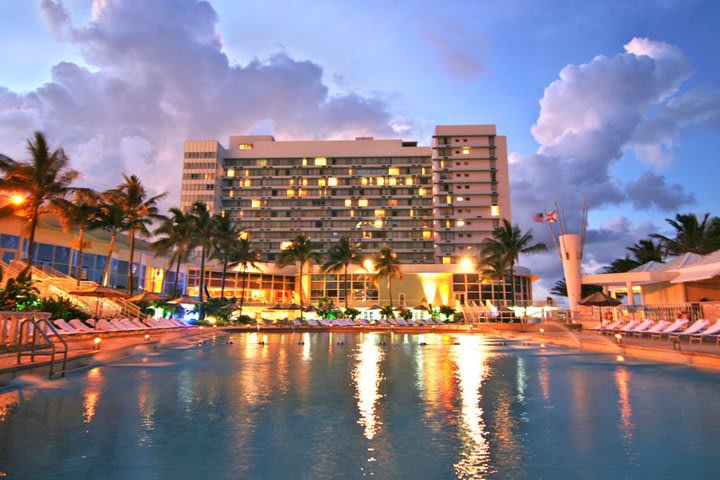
<point>408,181</point>
<point>460,223</point>
<point>290,192</point>
<point>248,182</point>
<point>380,181</point>
<point>97,340</point>
<point>348,202</point>
<point>393,171</point>
<point>363,181</point>
<point>466,151</point>
<point>17,199</point>
<point>232,194</point>
<point>211,319</point>
<point>542,330</point>
<point>363,202</point>
<point>620,358</point>
<point>427,234</point>
<point>448,199</point>
<point>466,263</point>
<point>422,191</point>
<point>255,203</point>
<point>231,172</point>
<point>320,162</point>
<point>147,337</point>
<point>243,235</point>
<point>446,260</point>
<point>392,181</point>
<point>285,245</point>
<point>245,146</point>
<point>321,182</point>
<point>378,223</point>
<point>495,210</point>
<point>379,213</point>
<point>368,265</point>
<point>332,182</point>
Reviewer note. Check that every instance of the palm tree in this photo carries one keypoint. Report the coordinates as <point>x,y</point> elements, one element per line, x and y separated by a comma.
<point>82,213</point>
<point>494,270</point>
<point>646,251</point>
<point>175,241</point>
<point>46,181</point>
<point>506,244</point>
<point>303,251</point>
<point>341,256</point>
<point>387,267</point>
<point>560,289</point>
<point>692,235</point>
<point>225,238</point>
<point>140,211</point>
<point>203,230</point>
<point>245,256</point>
<point>111,217</point>
<point>621,265</point>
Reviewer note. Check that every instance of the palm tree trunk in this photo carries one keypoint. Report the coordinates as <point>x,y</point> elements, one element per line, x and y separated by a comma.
<point>106,272</point>
<point>31,237</point>
<point>222,282</point>
<point>345,285</point>
<point>177,277</point>
<point>512,282</point>
<point>80,255</point>
<point>390,289</point>
<point>202,275</point>
<point>302,287</point>
<point>244,285</point>
<point>130,263</point>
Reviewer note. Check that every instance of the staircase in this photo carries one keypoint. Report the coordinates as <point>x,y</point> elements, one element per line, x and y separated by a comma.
<point>52,283</point>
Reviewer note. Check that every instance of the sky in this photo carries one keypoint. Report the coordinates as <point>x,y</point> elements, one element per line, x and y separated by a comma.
<point>611,102</point>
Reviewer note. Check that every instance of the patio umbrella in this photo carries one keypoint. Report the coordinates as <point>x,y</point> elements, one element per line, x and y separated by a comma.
<point>98,291</point>
<point>277,306</point>
<point>423,308</point>
<point>293,306</point>
<point>187,300</point>
<point>600,299</point>
<point>146,297</point>
<point>401,308</point>
<point>310,308</point>
<point>375,307</point>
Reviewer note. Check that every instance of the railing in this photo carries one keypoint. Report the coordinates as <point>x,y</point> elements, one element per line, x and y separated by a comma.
<point>659,312</point>
<point>34,339</point>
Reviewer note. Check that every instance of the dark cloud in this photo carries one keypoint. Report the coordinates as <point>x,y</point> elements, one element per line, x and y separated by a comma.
<point>157,75</point>
<point>651,190</point>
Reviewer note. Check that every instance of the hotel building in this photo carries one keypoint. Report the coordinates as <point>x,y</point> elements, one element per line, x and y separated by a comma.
<point>431,204</point>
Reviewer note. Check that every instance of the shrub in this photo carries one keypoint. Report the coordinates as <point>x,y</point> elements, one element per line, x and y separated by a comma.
<point>61,308</point>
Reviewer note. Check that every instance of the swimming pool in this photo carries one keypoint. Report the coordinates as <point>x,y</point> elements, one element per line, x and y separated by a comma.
<point>385,406</point>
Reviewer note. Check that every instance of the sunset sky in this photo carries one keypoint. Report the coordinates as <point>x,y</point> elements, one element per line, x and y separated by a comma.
<point>613,102</point>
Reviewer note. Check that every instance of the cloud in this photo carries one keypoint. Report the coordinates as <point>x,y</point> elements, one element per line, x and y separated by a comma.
<point>589,117</point>
<point>155,74</point>
<point>459,50</point>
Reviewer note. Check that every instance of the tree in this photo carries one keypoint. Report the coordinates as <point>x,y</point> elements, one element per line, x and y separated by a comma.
<point>340,257</point>
<point>175,242</point>
<point>303,251</point>
<point>494,270</point>
<point>621,265</point>
<point>506,245</point>
<point>646,251</point>
<point>140,211</point>
<point>82,213</point>
<point>244,256</point>
<point>203,230</point>
<point>560,289</point>
<point>45,180</point>
<point>110,216</point>
<point>387,267</point>
<point>387,312</point>
<point>692,235</point>
<point>225,239</point>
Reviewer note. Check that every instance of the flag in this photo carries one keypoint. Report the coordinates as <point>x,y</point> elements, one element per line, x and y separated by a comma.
<point>539,217</point>
<point>551,216</point>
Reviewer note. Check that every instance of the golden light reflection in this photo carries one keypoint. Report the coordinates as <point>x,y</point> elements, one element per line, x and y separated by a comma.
<point>622,380</point>
<point>470,359</point>
<point>429,286</point>
<point>544,378</point>
<point>8,402</point>
<point>91,395</point>
<point>367,378</point>
<point>306,347</point>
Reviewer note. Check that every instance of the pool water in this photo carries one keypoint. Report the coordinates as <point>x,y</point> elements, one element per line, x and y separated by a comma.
<point>381,405</point>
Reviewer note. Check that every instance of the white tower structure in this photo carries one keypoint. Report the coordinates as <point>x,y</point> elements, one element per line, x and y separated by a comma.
<point>571,252</point>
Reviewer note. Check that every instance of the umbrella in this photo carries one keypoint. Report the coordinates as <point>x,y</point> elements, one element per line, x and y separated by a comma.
<point>599,299</point>
<point>294,306</point>
<point>277,306</point>
<point>401,308</point>
<point>375,307</point>
<point>146,297</point>
<point>98,291</point>
<point>423,308</point>
<point>187,300</point>
<point>310,308</point>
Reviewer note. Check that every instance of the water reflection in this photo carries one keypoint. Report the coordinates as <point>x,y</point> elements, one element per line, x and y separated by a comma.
<point>8,402</point>
<point>367,377</point>
<point>470,359</point>
<point>622,380</point>
<point>91,395</point>
<point>544,378</point>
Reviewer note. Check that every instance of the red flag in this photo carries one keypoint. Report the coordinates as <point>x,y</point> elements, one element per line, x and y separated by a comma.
<point>539,217</point>
<point>551,216</point>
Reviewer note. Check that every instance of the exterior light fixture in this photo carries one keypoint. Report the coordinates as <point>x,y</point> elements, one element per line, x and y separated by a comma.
<point>147,337</point>
<point>17,199</point>
<point>542,331</point>
<point>96,343</point>
<point>618,337</point>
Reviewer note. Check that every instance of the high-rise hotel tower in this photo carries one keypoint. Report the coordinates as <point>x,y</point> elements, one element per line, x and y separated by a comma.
<point>430,204</point>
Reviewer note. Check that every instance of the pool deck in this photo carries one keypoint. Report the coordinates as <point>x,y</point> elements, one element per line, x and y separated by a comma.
<point>113,346</point>
<point>81,352</point>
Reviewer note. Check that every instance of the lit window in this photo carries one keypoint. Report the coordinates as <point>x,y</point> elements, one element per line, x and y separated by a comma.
<point>448,224</point>
<point>448,199</point>
<point>495,211</point>
<point>332,182</point>
<point>352,213</point>
<point>304,162</point>
<point>305,182</point>
<point>285,245</point>
<point>460,199</point>
<point>290,192</point>
<point>255,203</point>
<point>466,151</point>
<point>292,181</point>
<point>363,181</point>
<point>393,202</point>
<point>422,191</point>
<point>447,260</point>
<point>232,193</point>
<point>231,172</point>
<point>412,212</point>
<point>422,170</point>
<point>302,192</point>
<point>247,173</point>
<point>378,223</point>
<point>379,213</point>
<point>393,171</point>
<point>408,181</point>
<point>460,223</point>
<point>248,182</point>
<point>427,234</point>
<point>245,146</point>
<point>392,181</point>
<point>261,162</point>
<point>348,202</point>
<point>243,235</point>
<point>380,181</point>
<point>320,162</point>
<point>363,202</point>
<point>321,182</point>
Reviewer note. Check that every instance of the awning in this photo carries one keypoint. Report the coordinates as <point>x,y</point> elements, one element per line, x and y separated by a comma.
<point>696,275</point>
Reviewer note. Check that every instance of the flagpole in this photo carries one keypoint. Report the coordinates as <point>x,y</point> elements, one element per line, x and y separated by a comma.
<point>552,235</point>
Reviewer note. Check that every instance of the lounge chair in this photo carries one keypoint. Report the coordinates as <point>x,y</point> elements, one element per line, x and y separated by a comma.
<point>64,328</point>
<point>657,328</point>
<point>138,324</point>
<point>312,322</point>
<point>613,326</point>
<point>382,321</point>
<point>696,327</point>
<point>105,326</point>
<point>119,324</point>
<point>640,329</point>
<point>677,325</point>
<point>629,326</point>
<point>297,323</point>
<point>713,331</point>
<point>402,322</point>
<point>393,321</point>
<point>364,321</point>
<point>80,326</point>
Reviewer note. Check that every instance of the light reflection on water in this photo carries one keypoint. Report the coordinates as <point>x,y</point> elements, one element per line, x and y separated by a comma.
<point>420,406</point>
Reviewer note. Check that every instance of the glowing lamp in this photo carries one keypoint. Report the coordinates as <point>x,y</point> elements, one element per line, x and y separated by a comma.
<point>368,265</point>
<point>147,337</point>
<point>542,330</point>
<point>96,343</point>
<point>620,358</point>
<point>17,199</point>
<point>201,327</point>
<point>618,337</point>
<point>466,263</point>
